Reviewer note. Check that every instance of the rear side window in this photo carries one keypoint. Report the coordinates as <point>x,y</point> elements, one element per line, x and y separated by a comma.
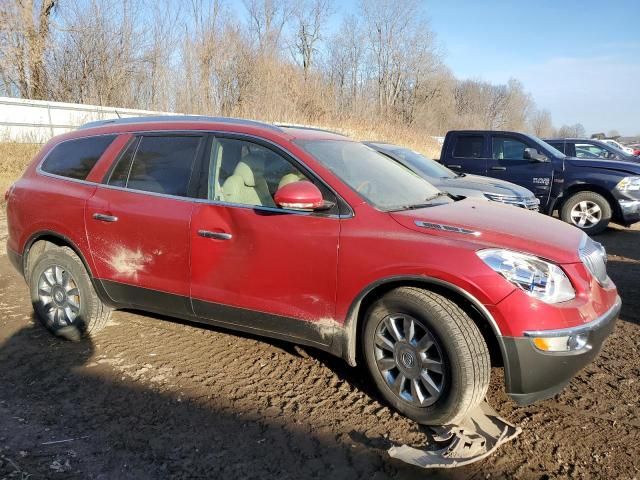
<point>76,158</point>
<point>157,164</point>
<point>469,146</point>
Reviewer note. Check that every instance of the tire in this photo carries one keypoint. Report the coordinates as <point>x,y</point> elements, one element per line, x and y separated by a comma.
<point>72,307</point>
<point>582,203</point>
<point>457,345</point>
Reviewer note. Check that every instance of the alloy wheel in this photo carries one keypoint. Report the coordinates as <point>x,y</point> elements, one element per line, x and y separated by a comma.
<point>410,360</point>
<point>586,214</point>
<point>59,296</point>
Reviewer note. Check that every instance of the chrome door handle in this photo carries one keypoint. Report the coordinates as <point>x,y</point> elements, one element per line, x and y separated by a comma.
<point>215,235</point>
<point>105,218</point>
<point>501,169</point>
<point>454,166</point>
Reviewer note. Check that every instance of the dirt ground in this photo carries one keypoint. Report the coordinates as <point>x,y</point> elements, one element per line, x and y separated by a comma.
<point>156,398</point>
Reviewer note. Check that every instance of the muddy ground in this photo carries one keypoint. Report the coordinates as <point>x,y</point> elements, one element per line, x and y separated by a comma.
<point>156,398</point>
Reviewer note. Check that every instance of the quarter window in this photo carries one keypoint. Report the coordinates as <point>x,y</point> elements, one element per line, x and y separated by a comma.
<point>157,164</point>
<point>76,158</point>
<point>505,148</point>
<point>469,146</point>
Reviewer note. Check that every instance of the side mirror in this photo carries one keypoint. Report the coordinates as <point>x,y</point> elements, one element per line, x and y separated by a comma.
<point>532,154</point>
<point>300,195</point>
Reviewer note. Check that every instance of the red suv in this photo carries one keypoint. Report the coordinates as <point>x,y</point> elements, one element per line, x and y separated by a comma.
<point>311,237</point>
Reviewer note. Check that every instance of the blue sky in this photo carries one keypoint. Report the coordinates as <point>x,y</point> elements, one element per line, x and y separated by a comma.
<point>579,59</point>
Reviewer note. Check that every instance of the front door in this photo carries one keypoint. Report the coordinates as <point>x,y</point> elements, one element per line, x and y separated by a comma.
<point>507,162</point>
<point>255,266</point>
<point>138,224</point>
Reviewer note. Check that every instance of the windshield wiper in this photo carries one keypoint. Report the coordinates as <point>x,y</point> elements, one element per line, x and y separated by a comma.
<point>415,206</point>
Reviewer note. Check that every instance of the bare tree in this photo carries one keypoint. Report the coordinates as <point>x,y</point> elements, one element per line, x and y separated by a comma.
<point>310,18</point>
<point>267,19</point>
<point>24,35</point>
<point>540,123</point>
<point>572,131</point>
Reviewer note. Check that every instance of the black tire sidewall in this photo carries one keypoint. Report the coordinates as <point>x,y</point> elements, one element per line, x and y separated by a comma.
<point>444,408</point>
<point>605,207</point>
<point>60,258</point>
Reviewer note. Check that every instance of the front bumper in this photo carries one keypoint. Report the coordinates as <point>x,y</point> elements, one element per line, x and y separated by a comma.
<point>630,210</point>
<point>532,375</point>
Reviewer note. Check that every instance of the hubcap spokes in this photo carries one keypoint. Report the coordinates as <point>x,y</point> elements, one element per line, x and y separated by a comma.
<point>586,214</point>
<point>409,359</point>
<point>59,296</point>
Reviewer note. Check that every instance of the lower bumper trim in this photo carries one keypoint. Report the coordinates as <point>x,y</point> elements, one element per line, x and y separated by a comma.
<point>532,375</point>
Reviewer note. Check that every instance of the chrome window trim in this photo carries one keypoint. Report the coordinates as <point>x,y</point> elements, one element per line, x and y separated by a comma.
<point>595,324</point>
<point>192,199</point>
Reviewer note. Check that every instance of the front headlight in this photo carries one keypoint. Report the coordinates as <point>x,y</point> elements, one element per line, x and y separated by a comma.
<point>629,184</point>
<point>538,278</point>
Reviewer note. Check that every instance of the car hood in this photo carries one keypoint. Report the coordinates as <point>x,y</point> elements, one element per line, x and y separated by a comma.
<point>491,225</point>
<point>484,184</point>
<point>626,167</point>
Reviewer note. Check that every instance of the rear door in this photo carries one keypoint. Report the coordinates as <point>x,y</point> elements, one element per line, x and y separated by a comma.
<point>507,162</point>
<point>468,154</point>
<point>138,221</point>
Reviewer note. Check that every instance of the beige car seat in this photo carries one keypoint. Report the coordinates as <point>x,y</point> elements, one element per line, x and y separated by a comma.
<point>247,184</point>
<point>290,178</point>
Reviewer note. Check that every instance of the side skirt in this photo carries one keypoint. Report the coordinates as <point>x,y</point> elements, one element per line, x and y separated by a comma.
<point>234,318</point>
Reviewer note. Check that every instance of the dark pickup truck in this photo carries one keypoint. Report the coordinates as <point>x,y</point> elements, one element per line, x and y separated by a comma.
<point>588,193</point>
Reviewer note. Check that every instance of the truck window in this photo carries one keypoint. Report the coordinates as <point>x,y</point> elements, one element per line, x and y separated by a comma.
<point>505,148</point>
<point>469,146</point>
<point>558,146</point>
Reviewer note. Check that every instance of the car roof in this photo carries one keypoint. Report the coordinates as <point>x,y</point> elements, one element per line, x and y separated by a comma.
<point>571,140</point>
<point>202,122</point>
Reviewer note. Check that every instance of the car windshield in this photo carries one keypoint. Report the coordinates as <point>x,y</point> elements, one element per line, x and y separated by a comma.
<point>381,181</point>
<point>418,162</point>
<point>545,146</point>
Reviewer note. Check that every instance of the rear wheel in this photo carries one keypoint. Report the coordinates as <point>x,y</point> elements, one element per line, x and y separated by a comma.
<point>63,296</point>
<point>426,356</point>
<point>589,211</point>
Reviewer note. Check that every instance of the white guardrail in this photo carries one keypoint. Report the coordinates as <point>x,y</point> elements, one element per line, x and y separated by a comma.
<point>36,121</point>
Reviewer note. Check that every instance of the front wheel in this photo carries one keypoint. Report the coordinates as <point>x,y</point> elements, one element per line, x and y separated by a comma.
<point>426,356</point>
<point>589,211</point>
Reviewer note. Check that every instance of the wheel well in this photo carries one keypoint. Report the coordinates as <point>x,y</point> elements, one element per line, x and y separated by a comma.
<point>483,323</point>
<point>584,187</point>
<point>45,241</point>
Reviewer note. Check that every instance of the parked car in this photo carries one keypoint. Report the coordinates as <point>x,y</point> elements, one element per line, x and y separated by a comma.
<point>588,193</point>
<point>314,238</point>
<point>581,148</point>
<point>459,184</point>
<point>636,149</point>
<point>619,146</point>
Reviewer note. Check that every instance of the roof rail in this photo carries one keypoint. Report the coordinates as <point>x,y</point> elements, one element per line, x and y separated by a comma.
<point>309,127</point>
<point>177,118</point>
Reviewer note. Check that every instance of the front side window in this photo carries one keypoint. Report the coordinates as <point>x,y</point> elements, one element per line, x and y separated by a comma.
<point>159,164</point>
<point>75,158</point>
<point>469,146</point>
<point>505,148</point>
<point>381,181</point>
<point>246,173</point>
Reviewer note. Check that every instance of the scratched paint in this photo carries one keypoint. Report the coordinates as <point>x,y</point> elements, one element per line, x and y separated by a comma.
<point>129,263</point>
